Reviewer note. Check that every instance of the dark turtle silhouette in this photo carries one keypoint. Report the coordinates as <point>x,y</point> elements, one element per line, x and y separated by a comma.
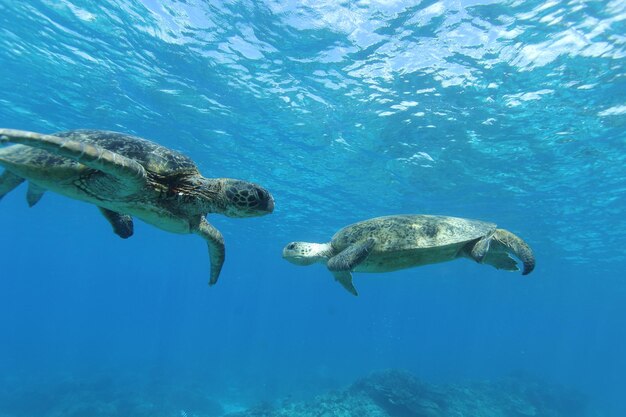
<point>126,177</point>
<point>390,243</point>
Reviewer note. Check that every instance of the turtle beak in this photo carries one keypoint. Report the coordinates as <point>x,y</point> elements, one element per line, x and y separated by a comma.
<point>246,199</point>
<point>265,202</point>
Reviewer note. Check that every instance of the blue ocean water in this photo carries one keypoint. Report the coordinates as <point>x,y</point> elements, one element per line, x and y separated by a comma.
<point>506,111</point>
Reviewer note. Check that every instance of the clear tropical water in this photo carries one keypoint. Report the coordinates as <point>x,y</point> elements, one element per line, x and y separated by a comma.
<point>507,111</point>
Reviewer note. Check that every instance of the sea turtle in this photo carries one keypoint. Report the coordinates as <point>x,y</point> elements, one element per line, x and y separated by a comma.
<point>390,243</point>
<point>127,176</point>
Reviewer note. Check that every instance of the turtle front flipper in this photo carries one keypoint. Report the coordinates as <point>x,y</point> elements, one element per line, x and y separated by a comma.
<point>345,279</point>
<point>345,261</point>
<point>8,182</point>
<point>131,174</point>
<point>34,194</point>
<point>350,257</point>
<point>122,223</point>
<point>503,241</point>
<point>217,251</point>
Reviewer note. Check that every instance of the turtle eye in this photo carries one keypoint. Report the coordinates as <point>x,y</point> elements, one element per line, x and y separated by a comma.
<point>291,246</point>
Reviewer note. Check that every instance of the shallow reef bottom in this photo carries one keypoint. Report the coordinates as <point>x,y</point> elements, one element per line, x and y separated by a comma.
<point>396,393</point>
<point>389,393</point>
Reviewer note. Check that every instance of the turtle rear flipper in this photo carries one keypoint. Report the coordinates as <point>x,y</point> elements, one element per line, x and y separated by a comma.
<point>500,260</point>
<point>503,241</point>
<point>130,173</point>
<point>514,245</point>
<point>8,182</point>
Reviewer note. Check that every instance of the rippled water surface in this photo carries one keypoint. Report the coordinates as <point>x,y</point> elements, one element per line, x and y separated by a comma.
<point>507,111</point>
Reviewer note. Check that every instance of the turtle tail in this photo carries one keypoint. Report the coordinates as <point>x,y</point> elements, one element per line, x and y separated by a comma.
<point>517,247</point>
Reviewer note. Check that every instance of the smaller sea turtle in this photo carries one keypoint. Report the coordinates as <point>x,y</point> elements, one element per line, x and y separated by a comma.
<point>126,177</point>
<point>397,242</point>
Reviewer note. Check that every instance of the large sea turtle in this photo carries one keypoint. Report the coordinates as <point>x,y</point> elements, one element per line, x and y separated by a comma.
<point>126,176</point>
<point>390,243</point>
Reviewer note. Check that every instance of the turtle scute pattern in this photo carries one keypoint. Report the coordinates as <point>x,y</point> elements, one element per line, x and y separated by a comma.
<point>154,157</point>
<point>412,231</point>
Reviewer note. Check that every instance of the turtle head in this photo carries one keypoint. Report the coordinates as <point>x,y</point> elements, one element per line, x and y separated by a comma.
<point>245,199</point>
<point>305,253</point>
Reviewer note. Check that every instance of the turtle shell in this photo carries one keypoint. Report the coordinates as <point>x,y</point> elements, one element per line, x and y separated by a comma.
<point>411,232</point>
<point>155,158</point>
